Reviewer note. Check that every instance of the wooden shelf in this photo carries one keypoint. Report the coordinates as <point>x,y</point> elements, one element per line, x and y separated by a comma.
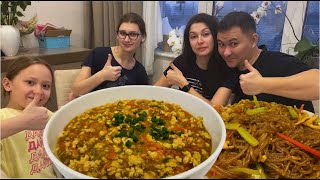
<point>52,56</point>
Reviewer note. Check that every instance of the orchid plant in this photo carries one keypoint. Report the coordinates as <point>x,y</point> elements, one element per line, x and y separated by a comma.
<point>219,6</point>
<point>304,47</point>
<point>175,40</point>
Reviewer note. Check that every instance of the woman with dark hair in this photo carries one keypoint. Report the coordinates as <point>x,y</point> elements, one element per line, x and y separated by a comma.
<point>114,66</point>
<point>199,70</point>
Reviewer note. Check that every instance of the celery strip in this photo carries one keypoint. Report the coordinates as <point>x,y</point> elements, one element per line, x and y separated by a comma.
<point>256,110</point>
<point>232,126</point>
<point>317,122</point>
<point>245,170</point>
<point>261,171</point>
<point>247,136</point>
<point>292,112</point>
<point>256,101</point>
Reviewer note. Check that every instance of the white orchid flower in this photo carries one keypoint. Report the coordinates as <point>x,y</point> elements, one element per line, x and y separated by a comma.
<point>265,4</point>
<point>177,48</point>
<point>278,9</point>
<point>220,4</point>
<point>173,40</point>
<point>172,33</point>
<point>261,12</point>
<point>176,41</point>
<point>255,16</point>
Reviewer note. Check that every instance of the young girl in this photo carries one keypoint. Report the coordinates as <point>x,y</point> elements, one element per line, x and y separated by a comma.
<point>114,66</point>
<point>28,84</point>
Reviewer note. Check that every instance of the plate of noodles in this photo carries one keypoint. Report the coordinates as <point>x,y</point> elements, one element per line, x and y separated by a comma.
<point>258,142</point>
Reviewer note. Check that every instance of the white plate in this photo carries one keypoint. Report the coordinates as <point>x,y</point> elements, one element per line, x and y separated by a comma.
<point>197,107</point>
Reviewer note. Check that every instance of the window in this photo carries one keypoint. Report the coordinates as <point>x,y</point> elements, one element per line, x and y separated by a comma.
<point>269,28</point>
<point>311,23</point>
<point>178,12</point>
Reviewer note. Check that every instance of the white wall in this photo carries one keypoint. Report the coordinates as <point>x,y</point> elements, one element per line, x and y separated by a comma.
<point>68,14</point>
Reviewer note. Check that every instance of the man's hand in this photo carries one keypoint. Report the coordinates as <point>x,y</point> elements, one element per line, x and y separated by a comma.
<point>251,83</point>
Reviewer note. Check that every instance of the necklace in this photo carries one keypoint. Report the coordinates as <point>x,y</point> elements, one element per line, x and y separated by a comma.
<point>255,58</point>
<point>251,61</point>
<point>127,63</point>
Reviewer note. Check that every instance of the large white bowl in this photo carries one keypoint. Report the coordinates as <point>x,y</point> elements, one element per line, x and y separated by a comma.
<point>195,106</point>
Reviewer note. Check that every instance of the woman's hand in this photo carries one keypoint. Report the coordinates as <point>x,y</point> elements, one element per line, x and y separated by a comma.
<point>175,77</point>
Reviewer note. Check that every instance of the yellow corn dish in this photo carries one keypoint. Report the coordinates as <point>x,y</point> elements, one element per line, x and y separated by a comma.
<point>134,139</point>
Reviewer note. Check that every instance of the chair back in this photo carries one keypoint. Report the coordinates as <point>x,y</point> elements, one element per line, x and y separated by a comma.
<point>63,82</point>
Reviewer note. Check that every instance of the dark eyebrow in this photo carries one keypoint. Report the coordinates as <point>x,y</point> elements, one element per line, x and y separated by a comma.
<point>201,30</point>
<point>129,31</point>
<point>231,40</point>
<point>205,29</point>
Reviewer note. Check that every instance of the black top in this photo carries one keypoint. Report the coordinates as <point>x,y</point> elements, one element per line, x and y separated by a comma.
<point>98,58</point>
<point>273,64</point>
<point>205,82</point>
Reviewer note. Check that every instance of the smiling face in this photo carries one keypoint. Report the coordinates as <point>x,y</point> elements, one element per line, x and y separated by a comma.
<point>201,40</point>
<point>127,44</point>
<point>235,46</point>
<point>36,79</point>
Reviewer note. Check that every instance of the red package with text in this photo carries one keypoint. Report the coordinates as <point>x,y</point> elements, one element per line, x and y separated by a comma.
<point>43,28</point>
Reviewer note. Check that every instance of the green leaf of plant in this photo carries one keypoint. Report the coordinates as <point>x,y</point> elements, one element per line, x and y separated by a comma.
<point>24,4</point>
<point>23,7</point>
<point>303,45</point>
<point>19,14</point>
<point>14,20</point>
<point>4,7</point>
<point>309,52</point>
<point>9,13</point>
<point>300,55</point>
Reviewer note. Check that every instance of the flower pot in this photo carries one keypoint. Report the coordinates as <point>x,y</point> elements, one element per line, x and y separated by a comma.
<point>10,40</point>
<point>166,47</point>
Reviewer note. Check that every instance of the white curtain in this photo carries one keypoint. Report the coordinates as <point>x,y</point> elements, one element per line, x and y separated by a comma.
<point>152,18</point>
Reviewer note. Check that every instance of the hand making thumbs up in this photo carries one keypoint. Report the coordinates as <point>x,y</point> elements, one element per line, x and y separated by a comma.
<point>111,73</point>
<point>175,76</point>
<point>251,83</point>
<point>35,117</point>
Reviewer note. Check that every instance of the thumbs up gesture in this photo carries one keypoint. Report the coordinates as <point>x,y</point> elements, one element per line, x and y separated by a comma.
<point>175,76</point>
<point>35,117</point>
<point>251,83</point>
<point>110,72</point>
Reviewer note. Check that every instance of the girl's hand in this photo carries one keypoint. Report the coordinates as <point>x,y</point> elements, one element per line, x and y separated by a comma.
<point>110,72</point>
<point>35,117</point>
